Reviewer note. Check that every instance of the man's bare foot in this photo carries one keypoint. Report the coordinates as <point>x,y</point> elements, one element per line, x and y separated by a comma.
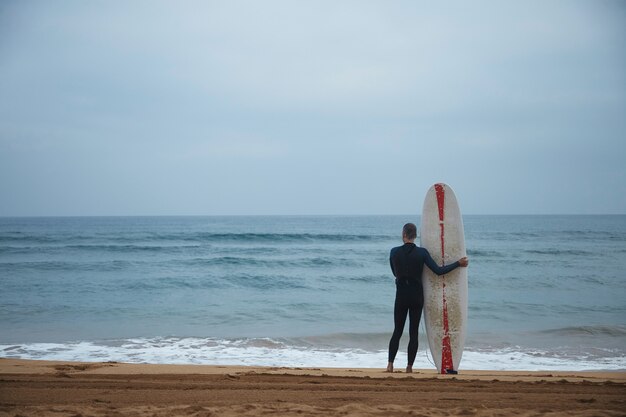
<point>390,367</point>
<point>409,369</point>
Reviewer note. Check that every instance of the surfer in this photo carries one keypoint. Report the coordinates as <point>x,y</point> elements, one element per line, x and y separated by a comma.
<point>407,263</point>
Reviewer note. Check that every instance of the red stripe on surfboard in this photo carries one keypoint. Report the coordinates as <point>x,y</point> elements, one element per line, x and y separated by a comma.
<point>441,195</point>
<point>446,349</point>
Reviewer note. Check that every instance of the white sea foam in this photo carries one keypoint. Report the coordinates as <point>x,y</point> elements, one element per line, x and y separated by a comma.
<point>268,352</point>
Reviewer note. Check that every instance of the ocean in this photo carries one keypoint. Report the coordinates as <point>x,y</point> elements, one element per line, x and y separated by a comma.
<point>546,292</point>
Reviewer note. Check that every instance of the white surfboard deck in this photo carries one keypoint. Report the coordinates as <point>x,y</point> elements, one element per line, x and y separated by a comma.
<point>445,296</point>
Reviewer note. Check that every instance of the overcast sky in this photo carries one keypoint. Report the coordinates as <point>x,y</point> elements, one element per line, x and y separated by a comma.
<point>311,107</point>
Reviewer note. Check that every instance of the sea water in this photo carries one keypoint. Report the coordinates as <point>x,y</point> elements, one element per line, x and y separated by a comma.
<point>545,292</point>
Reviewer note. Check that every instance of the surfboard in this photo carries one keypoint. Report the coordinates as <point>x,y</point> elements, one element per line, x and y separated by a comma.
<point>445,297</point>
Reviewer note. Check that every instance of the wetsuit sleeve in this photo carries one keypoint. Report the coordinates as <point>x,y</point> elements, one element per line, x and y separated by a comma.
<point>439,270</point>
<point>391,263</point>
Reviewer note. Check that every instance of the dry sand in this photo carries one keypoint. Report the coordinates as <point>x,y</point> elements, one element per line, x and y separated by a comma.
<point>42,388</point>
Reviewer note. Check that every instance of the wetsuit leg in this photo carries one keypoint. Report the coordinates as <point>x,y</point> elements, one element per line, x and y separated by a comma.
<point>400,310</point>
<point>415,315</point>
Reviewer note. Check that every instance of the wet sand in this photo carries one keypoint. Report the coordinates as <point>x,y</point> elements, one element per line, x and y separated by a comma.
<point>44,388</point>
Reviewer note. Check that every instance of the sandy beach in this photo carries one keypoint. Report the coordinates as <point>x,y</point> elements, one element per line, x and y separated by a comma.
<point>44,388</point>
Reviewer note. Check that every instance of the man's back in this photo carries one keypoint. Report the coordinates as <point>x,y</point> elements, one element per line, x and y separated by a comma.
<point>407,262</point>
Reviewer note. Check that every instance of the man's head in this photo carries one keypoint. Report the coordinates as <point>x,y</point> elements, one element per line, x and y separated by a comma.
<point>409,232</point>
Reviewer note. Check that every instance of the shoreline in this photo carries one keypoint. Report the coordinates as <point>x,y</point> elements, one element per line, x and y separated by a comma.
<point>43,367</point>
<point>61,388</point>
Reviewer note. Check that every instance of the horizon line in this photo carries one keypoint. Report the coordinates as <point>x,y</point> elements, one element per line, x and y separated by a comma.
<point>296,215</point>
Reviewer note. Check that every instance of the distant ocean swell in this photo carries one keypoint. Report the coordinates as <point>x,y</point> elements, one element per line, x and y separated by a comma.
<point>557,235</point>
<point>191,237</point>
<point>186,249</point>
<point>312,262</point>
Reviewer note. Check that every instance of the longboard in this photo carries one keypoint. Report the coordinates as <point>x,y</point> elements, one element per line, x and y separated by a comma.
<point>445,297</point>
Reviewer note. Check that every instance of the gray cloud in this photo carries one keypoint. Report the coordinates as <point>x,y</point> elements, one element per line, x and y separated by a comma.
<point>311,107</point>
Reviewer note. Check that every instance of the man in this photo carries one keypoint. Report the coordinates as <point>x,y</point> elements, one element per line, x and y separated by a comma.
<point>407,263</point>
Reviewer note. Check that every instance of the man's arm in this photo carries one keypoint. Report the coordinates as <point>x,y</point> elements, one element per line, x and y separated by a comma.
<point>391,263</point>
<point>442,270</point>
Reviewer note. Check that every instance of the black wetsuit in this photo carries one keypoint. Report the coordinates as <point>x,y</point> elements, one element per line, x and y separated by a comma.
<point>407,263</point>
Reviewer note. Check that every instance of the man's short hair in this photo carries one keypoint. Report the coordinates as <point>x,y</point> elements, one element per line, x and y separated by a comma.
<point>409,231</point>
